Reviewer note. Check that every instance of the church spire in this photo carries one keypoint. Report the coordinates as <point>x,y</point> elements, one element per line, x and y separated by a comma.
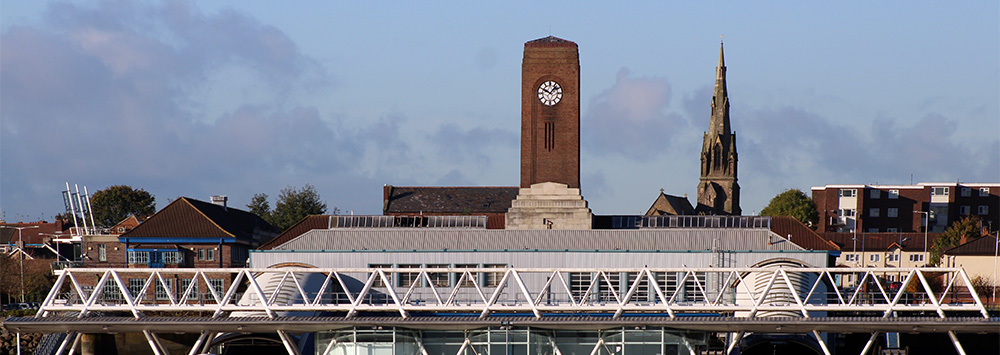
<point>720,99</point>
<point>718,192</point>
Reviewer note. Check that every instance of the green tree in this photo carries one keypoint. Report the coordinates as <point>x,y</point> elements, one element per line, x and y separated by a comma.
<point>292,205</point>
<point>115,203</point>
<point>794,203</point>
<point>968,227</point>
<point>259,206</point>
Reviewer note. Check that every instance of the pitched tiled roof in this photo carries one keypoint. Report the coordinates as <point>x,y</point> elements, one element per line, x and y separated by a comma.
<point>36,233</point>
<point>880,241</point>
<point>304,225</point>
<point>187,217</point>
<point>448,199</point>
<point>670,204</point>
<point>800,234</point>
<point>982,246</point>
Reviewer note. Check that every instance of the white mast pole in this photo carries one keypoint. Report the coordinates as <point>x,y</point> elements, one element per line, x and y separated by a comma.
<point>90,208</point>
<point>72,209</point>
<point>80,203</point>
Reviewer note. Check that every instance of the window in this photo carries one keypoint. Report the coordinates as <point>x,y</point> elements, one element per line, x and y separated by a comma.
<point>102,252</point>
<point>939,191</point>
<point>964,210</point>
<point>892,230</point>
<point>966,192</point>
<point>875,194</point>
<point>134,286</point>
<point>218,285</point>
<point>851,257</point>
<point>984,191</point>
<point>493,278</point>
<point>848,193</point>
<point>984,210</point>
<point>845,212</point>
<point>893,258</point>
<point>642,291</point>
<point>469,279</point>
<point>608,288</point>
<point>173,257</point>
<point>407,279</point>
<point>111,292</point>
<point>438,279</point>
<point>692,291</point>
<point>161,292</point>
<point>892,212</point>
<point>579,282</point>
<point>669,281</point>
<point>872,230</point>
<point>206,254</point>
<point>138,257</point>
<point>239,254</point>
<point>874,212</point>
<point>873,257</point>
<point>185,283</point>
<point>378,279</point>
<point>916,257</point>
<point>893,194</point>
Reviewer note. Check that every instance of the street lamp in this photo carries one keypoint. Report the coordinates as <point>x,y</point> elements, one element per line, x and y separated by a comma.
<point>20,247</point>
<point>927,226</point>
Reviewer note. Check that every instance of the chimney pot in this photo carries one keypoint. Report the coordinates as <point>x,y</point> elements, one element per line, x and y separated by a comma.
<point>220,200</point>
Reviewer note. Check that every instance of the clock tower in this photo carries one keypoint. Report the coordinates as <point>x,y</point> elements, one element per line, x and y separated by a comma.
<point>549,197</point>
<point>550,112</point>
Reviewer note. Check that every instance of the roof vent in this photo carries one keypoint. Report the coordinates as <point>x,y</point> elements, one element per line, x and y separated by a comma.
<point>220,200</point>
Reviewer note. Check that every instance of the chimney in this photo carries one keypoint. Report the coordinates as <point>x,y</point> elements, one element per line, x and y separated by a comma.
<point>220,200</point>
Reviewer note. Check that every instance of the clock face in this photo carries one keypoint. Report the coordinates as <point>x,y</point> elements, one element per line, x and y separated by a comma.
<point>549,93</point>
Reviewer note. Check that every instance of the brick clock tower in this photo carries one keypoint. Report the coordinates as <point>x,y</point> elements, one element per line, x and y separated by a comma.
<point>550,112</point>
<point>549,197</point>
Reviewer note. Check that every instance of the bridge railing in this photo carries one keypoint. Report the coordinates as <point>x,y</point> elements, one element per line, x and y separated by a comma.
<point>741,292</point>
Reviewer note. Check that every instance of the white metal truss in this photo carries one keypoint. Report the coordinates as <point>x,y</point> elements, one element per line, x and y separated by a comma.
<point>739,292</point>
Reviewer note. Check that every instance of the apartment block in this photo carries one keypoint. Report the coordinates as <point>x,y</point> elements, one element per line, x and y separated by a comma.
<point>930,207</point>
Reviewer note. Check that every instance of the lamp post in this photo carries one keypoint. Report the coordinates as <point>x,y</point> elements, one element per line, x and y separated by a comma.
<point>996,251</point>
<point>20,247</point>
<point>927,226</point>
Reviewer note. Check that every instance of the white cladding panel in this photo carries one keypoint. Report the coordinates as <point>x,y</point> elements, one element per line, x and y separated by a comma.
<point>533,259</point>
<point>699,239</point>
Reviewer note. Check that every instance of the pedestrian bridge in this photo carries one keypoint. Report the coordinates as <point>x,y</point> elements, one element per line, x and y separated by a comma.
<point>295,299</point>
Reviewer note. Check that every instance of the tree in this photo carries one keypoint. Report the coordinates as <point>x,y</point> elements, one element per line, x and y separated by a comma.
<point>967,228</point>
<point>259,206</point>
<point>292,206</point>
<point>37,278</point>
<point>115,203</point>
<point>794,203</point>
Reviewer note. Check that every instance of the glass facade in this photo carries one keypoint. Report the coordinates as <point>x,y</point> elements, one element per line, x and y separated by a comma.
<point>509,340</point>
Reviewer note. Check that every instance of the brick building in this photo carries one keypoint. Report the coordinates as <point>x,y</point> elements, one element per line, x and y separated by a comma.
<point>902,208</point>
<point>187,233</point>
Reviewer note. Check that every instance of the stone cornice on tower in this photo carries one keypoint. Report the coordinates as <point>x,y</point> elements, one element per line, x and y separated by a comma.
<point>550,41</point>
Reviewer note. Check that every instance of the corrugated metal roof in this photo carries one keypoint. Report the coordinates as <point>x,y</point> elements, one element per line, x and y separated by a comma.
<point>622,239</point>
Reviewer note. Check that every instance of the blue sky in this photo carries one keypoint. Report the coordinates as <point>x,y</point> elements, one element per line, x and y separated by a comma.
<point>200,98</point>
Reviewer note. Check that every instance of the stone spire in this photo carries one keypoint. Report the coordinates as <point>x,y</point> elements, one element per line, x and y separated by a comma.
<point>718,192</point>
<point>720,100</point>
